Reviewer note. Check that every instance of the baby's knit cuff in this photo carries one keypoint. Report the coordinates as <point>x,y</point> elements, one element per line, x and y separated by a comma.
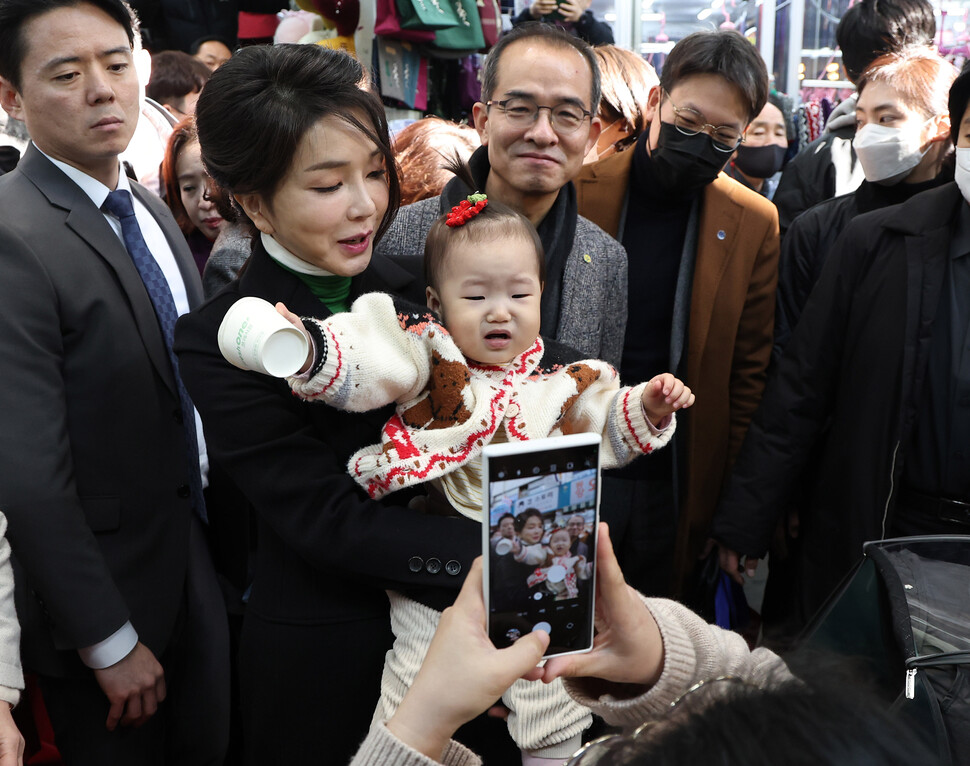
<point>327,363</point>
<point>639,432</point>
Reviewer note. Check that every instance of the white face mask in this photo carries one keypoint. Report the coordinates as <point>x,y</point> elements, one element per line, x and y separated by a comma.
<point>961,173</point>
<point>888,154</point>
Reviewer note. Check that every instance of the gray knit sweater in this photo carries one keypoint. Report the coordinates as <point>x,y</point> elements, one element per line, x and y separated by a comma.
<point>593,305</point>
<point>693,650</point>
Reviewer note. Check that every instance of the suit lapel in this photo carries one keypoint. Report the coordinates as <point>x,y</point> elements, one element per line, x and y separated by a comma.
<point>85,220</point>
<point>717,239</point>
<point>601,188</point>
<point>573,285</point>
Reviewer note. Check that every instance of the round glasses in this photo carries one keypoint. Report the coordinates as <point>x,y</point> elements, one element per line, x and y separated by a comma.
<point>523,112</point>
<point>691,122</point>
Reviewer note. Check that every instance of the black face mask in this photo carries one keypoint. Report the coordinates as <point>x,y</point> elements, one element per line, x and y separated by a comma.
<point>684,164</point>
<point>760,161</point>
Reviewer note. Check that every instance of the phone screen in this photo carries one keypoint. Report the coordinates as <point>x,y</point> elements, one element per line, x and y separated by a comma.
<point>541,543</point>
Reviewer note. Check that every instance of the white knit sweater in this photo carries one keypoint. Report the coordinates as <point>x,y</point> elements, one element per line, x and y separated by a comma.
<point>449,409</point>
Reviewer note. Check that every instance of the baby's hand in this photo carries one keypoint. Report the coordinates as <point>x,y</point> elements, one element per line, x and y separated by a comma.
<point>664,395</point>
<point>294,320</point>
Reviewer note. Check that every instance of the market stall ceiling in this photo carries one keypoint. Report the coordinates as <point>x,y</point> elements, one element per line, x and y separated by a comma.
<point>681,15</point>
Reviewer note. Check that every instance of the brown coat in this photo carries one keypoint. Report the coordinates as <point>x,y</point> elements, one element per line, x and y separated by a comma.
<point>729,330</point>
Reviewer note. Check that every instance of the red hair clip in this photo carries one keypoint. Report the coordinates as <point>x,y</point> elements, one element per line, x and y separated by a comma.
<point>467,209</point>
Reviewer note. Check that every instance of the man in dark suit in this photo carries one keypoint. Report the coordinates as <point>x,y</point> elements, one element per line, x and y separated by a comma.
<point>101,455</point>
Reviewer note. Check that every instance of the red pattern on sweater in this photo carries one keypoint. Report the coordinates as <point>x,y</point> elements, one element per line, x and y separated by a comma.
<point>646,449</point>
<point>375,487</point>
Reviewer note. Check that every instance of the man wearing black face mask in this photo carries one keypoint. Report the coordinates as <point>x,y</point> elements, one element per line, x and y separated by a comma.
<point>703,256</point>
<point>758,160</point>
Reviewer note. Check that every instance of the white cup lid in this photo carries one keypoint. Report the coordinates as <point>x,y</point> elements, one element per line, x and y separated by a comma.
<point>556,573</point>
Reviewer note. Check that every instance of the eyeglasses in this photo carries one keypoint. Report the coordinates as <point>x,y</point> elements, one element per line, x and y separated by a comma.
<point>522,111</point>
<point>691,122</point>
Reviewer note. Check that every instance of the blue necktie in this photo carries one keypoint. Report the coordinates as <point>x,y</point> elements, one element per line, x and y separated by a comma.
<point>120,205</point>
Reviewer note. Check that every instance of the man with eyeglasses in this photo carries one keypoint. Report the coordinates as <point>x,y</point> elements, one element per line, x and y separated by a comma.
<point>703,257</point>
<point>540,90</point>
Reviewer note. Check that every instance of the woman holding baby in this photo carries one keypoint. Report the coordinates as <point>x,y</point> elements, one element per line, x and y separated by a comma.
<point>304,150</point>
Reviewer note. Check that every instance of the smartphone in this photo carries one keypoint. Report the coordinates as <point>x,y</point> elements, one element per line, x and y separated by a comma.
<point>555,16</point>
<point>540,504</point>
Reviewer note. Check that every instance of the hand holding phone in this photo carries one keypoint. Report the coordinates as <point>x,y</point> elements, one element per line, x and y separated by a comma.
<point>542,8</point>
<point>462,674</point>
<point>628,647</point>
<point>570,10</point>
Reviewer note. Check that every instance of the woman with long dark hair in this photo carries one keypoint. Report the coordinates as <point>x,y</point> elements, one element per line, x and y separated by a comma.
<point>304,150</point>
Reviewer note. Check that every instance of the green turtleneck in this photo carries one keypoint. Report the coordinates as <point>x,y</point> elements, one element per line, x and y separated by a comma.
<point>331,290</point>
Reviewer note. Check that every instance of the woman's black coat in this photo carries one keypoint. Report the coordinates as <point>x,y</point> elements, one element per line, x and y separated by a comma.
<point>325,551</point>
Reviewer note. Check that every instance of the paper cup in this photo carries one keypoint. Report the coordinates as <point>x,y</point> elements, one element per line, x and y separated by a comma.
<point>253,336</point>
<point>556,573</point>
<point>503,546</point>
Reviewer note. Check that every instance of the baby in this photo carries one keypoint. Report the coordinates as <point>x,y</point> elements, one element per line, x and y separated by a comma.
<point>562,571</point>
<point>479,374</point>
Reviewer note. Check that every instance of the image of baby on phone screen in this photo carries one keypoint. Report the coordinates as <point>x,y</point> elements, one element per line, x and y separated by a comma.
<point>473,372</point>
<point>561,571</point>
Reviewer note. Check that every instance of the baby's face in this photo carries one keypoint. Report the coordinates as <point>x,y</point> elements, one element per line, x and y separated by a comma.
<point>559,543</point>
<point>488,298</point>
<point>532,531</point>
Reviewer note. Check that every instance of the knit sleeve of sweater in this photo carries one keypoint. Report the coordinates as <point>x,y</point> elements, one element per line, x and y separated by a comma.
<point>693,651</point>
<point>366,358</point>
<point>382,748</point>
<point>614,412</point>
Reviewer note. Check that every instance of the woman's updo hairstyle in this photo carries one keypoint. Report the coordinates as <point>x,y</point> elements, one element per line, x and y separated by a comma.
<point>256,108</point>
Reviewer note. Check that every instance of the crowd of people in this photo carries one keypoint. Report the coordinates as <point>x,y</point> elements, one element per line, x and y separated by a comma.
<point>213,565</point>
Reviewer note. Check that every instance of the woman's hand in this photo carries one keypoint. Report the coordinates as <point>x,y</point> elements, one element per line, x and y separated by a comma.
<point>294,320</point>
<point>628,647</point>
<point>663,396</point>
<point>11,741</point>
<point>463,673</point>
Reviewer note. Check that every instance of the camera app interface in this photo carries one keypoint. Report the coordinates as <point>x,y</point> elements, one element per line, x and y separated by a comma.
<point>542,525</point>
